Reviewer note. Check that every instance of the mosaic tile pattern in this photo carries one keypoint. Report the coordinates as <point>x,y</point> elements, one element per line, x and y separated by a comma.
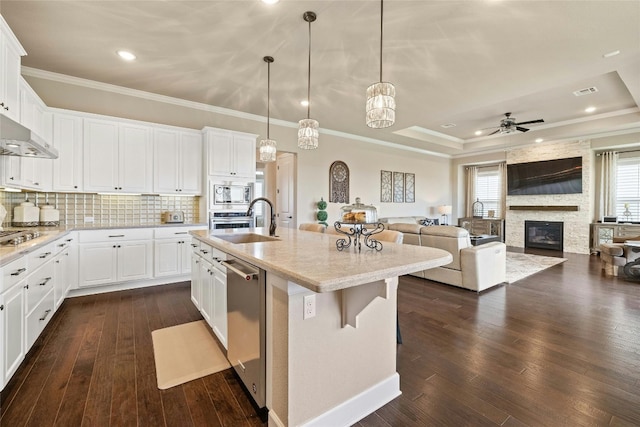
<point>106,209</point>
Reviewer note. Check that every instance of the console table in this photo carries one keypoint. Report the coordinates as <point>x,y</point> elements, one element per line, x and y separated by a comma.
<point>605,232</point>
<point>483,226</point>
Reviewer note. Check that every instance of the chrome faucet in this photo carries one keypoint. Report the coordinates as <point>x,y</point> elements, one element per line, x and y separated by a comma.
<point>272,226</point>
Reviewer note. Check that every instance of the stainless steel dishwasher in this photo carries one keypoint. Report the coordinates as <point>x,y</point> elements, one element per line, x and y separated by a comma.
<point>246,314</point>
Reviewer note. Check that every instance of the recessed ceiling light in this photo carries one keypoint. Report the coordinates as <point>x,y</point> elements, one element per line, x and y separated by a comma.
<point>478,132</point>
<point>610,54</point>
<point>590,109</point>
<point>270,1</point>
<point>127,56</point>
<point>448,125</point>
<point>304,103</point>
<point>539,140</point>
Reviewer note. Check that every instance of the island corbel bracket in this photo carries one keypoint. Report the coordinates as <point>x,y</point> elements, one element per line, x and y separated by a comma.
<point>356,299</point>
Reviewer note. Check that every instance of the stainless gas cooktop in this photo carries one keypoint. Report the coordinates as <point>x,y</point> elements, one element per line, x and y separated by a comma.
<point>15,237</point>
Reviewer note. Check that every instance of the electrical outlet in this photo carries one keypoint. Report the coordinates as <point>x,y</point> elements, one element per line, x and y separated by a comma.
<point>309,306</point>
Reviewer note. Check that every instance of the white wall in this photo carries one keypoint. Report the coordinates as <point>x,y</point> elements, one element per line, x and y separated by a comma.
<point>365,160</point>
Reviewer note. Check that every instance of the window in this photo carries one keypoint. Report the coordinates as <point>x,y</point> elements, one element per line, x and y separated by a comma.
<point>488,190</point>
<point>628,189</point>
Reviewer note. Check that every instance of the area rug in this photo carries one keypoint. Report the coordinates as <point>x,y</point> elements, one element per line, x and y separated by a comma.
<point>521,265</point>
<point>184,353</point>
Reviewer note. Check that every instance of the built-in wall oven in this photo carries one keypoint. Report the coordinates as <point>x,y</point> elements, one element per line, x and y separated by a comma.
<point>224,219</point>
<point>246,314</point>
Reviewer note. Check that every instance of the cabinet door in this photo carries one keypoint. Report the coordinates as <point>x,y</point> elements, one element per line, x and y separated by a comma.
<point>97,264</point>
<point>166,161</point>
<point>190,168</point>
<point>220,306</point>
<point>185,255</point>
<point>60,277</point>
<point>12,330</point>
<point>196,287</point>
<point>134,260</point>
<point>167,254</point>
<point>67,139</point>
<point>11,170</point>
<point>206,281</point>
<point>244,157</point>
<point>9,80</point>
<point>135,159</point>
<point>220,154</point>
<point>100,155</point>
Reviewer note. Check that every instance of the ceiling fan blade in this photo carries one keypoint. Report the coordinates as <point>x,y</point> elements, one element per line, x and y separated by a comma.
<point>494,132</point>
<point>530,121</point>
<point>521,129</point>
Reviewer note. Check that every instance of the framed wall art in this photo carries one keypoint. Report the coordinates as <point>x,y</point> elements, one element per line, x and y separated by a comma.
<point>339,182</point>
<point>409,188</point>
<point>386,186</point>
<point>398,187</point>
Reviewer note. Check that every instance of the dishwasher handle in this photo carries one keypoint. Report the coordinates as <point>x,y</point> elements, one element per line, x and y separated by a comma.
<point>244,274</point>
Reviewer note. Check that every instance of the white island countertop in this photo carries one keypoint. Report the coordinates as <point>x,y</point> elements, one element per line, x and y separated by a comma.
<point>311,259</point>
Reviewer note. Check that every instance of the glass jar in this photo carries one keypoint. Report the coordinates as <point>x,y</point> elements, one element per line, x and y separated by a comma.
<point>358,213</point>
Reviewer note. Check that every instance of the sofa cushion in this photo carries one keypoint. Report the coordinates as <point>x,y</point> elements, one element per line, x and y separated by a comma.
<point>445,231</point>
<point>404,228</point>
<point>451,239</point>
<point>401,219</point>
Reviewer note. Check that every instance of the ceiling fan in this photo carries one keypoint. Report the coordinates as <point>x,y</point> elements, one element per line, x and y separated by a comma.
<point>509,125</point>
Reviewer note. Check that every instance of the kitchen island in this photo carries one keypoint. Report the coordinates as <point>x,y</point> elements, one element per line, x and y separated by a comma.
<point>338,365</point>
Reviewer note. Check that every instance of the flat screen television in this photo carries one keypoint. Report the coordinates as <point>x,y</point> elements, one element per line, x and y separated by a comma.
<point>560,176</point>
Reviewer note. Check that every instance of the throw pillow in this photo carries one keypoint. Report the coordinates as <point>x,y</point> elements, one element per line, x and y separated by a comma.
<point>429,221</point>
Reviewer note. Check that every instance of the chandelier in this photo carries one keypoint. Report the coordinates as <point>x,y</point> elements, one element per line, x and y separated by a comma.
<point>381,103</point>
<point>268,146</point>
<point>308,128</point>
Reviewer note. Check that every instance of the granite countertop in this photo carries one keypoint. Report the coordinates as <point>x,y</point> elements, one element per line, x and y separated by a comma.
<point>311,259</point>
<point>9,253</point>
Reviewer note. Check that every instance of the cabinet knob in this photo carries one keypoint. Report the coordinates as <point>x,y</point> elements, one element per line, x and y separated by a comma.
<point>1,307</point>
<point>75,186</point>
<point>26,286</point>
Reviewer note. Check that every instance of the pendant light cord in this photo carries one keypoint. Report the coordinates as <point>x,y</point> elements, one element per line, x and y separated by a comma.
<point>309,77</point>
<point>268,95</point>
<point>381,17</point>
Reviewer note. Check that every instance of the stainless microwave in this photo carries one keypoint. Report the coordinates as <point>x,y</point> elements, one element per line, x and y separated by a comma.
<point>231,194</point>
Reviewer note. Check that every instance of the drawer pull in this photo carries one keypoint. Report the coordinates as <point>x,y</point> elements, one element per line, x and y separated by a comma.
<point>117,235</point>
<point>193,245</point>
<point>181,232</point>
<point>203,251</point>
<point>44,255</point>
<point>45,281</point>
<point>62,245</point>
<point>19,272</point>
<point>46,313</point>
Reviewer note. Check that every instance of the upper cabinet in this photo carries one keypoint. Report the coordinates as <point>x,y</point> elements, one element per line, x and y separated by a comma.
<point>230,155</point>
<point>177,162</point>
<point>10,53</point>
<point>117,157</point>
<point>67,139</point>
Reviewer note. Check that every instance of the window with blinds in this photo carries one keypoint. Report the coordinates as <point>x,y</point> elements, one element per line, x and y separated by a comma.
<point>628,189</point>
<point>488,189</point>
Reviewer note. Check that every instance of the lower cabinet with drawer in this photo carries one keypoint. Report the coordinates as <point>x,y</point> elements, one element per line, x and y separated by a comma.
<point>12,336</point>
<point>172,251</point>
<point>114,256</point>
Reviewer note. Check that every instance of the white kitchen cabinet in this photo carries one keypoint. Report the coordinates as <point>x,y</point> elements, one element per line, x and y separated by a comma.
<point>113,256</point>
<point>206,273</point>
<point>61,277</point>
<point>117,157</point>
<point>10,53</point>
<point>230,155</point>
<point>196,282</point>
<point>177,162</point>
<point>172,256</point>
<point>219,315</point>
<point>12,331</point>
<point>67,139</point>
<point>11,171</point>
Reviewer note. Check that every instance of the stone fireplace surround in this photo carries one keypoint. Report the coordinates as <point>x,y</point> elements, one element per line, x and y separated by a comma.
<point>574,210</point>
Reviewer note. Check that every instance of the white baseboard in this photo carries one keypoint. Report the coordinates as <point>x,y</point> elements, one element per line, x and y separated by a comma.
<point>359,406</point>
<point>93,290</point>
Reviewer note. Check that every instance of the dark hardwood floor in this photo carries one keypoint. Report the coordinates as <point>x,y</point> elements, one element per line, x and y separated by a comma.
<point>559,348</point>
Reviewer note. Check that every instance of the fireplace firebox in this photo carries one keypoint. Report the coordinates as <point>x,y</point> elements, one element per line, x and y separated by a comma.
<point>544,235</point>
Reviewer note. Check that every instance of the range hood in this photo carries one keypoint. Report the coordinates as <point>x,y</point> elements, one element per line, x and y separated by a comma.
<point>17,140</point>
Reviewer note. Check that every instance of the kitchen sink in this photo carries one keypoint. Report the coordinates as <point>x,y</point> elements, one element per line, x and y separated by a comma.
<point>246,238</point>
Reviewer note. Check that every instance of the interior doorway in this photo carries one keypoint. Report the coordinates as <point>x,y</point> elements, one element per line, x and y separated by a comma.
<point>277,182</point>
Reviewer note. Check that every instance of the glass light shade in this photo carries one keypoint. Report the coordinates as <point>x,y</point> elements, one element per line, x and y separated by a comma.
<point>267,150</point>
<point>381,105</point>
<point>308,134</point>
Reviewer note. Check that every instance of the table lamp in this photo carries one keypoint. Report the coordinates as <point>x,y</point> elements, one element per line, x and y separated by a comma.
<point>444,211</point>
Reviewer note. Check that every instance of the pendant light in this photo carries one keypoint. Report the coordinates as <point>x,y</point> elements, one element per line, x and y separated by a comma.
<point>381,103</point>
<point>268,146</point>
<point>308,130</point>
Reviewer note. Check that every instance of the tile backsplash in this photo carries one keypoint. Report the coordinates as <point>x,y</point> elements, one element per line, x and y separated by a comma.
<point>106,209</point>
